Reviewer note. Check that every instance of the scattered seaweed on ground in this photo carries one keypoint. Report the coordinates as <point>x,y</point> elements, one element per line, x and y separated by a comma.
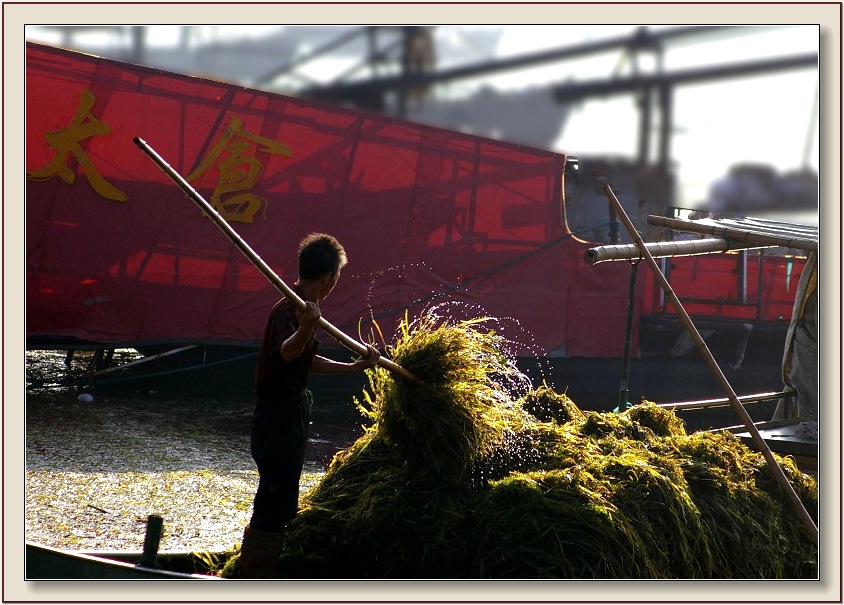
<point>469,475</point>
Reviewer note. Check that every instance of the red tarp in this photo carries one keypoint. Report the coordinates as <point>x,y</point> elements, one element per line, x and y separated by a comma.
<point>116,253</point>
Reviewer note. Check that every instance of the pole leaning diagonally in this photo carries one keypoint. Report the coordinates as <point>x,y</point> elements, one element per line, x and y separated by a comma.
<point>773,466</point>
<point>262,266</point>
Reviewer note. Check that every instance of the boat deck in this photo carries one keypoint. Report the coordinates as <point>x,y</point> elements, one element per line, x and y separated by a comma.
<point>781,439</point>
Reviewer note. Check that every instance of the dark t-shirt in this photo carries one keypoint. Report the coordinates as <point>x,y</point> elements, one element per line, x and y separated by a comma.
<point>275,377</point>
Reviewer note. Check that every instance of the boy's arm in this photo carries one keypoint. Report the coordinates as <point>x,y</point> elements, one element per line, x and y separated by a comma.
<point>294,344</point>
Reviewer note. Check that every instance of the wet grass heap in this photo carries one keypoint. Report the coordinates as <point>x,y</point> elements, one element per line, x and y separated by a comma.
<point>459,478</point>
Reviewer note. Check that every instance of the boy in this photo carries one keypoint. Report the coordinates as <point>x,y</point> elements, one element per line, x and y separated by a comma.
<point>280,422</point>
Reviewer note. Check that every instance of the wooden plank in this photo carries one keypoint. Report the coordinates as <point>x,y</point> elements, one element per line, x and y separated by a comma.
<point>805,239</point>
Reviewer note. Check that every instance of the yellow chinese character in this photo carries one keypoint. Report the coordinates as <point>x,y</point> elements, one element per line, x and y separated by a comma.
<point>238,171</point>
<point>67,142</point>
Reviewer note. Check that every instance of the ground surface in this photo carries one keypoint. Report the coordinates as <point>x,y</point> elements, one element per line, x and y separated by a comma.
<point>95,471</point>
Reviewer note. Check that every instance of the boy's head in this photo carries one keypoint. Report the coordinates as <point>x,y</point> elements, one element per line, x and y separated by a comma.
<point>320,255</point>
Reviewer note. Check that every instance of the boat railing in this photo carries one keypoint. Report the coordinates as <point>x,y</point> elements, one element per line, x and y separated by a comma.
<point>705,405</point>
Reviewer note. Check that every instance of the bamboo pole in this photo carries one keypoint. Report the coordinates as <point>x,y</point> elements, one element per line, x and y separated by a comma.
<point>600,254</point>
<point>259,264</point>
<point>738,408</point>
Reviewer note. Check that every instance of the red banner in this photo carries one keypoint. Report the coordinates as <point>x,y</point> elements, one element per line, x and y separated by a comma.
<point>117,255</point>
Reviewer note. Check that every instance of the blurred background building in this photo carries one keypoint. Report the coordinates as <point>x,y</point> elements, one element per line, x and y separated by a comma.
<point>709,118</point>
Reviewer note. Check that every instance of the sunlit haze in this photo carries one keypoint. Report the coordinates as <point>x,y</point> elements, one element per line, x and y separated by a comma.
<point>769,119</point>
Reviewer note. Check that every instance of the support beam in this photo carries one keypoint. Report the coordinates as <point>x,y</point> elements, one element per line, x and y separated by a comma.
<point>598,88</point>
<point>642,38</point>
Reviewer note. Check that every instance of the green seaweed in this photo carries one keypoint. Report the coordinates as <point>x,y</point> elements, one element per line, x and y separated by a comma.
<point>476,474</point>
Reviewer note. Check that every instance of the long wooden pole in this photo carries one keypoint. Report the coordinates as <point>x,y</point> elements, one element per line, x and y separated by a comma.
<point>738,408</point>
<point>259,264</point>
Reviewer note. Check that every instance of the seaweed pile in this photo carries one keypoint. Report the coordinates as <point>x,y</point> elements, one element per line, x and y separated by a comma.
<point>477,474</point>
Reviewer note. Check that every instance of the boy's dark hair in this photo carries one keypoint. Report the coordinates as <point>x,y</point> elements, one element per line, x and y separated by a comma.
<point>320,254</point>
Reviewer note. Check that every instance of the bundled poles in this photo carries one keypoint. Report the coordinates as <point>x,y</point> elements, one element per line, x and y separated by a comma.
<point>799,239</point>
<point>258,263</point>
<point>737,407</point>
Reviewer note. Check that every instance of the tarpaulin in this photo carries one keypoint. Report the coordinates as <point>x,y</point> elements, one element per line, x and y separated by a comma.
<point>116,254</point>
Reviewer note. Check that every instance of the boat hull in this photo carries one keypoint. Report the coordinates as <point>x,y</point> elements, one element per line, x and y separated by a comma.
<point>46,563</point>
<point>593,383</point>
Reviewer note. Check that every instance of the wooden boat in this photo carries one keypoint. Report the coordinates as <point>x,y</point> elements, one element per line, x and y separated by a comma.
<point>117,258</point>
